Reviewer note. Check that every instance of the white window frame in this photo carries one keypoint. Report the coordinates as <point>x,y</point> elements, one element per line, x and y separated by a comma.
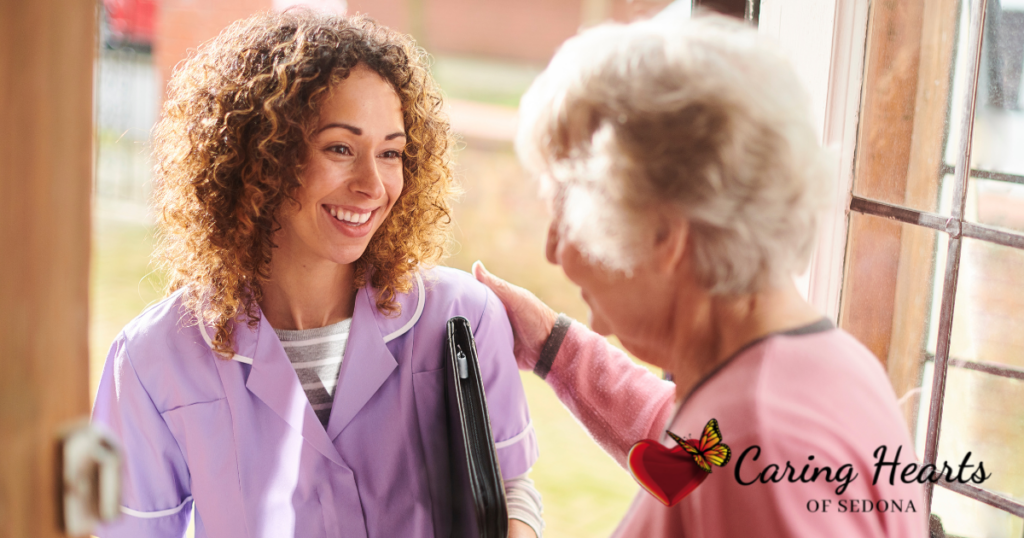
<point>825,41</point>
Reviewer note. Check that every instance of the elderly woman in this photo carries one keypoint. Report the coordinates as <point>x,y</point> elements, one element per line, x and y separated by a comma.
<point>292,382</point>
<point>686,180</point>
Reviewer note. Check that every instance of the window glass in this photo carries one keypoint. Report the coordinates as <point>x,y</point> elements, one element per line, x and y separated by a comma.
<point>988,320</point>
<point>997,158</point>
<point>968,518</point>
<point>976,420</point>
<point>996,203</point>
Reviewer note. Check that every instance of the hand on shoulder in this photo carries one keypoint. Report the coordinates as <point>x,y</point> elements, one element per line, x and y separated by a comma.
<point>531,319</point>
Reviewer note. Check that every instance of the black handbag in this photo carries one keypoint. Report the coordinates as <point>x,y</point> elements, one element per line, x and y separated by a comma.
<point>478,492</point>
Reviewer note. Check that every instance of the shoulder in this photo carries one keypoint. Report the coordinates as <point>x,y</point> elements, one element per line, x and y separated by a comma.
<point>165,349</point>
<point>820,397</point>
<point>846,385</point>
<point>831,365</point>
<point>823,389</point>
<point>447,282</point>
<point>455,292</point>
<point>159,325</point>
<point>160,317</point>
<point>437,294</point>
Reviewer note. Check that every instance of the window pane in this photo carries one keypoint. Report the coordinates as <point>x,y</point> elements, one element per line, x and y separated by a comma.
<point>127,101</point>
<point>982,412</point>
<point>891,297</point>
<point>905,115</point>
<point>999,121</point>
<point>977,419</point>
<point>996,203</point>
<point>988,319</point>
<point>968,518</point>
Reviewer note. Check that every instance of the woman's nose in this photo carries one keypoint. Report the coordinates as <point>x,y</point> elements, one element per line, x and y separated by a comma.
<point>368,180</point>
<point>551,250</point>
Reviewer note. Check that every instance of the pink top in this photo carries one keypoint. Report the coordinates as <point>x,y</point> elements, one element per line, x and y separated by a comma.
<point>794,395</point>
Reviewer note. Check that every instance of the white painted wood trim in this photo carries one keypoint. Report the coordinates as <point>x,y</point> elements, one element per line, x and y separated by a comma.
<point>804,31</point>
<point>842,114</point>
<point>825,41</point>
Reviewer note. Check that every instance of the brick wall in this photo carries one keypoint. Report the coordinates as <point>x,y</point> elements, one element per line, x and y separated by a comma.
<point>629,10</point>
<point>527,30</point>
<point>182,25</point>
<point>523,30</point>
<point>392,13</point>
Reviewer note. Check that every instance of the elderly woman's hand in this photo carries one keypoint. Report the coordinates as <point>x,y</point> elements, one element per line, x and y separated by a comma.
<point>531,319</point>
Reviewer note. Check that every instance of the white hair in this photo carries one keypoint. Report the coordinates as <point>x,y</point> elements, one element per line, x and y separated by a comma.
<point>700,118</point>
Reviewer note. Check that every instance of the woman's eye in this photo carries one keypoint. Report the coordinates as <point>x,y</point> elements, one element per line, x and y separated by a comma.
<point>340,150</point>
<point>392,154</point>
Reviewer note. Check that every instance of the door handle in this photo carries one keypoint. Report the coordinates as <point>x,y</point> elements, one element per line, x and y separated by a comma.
<point>90,460</point>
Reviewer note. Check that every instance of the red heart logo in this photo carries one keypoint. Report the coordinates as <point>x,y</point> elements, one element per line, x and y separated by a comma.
<point>668,474</point>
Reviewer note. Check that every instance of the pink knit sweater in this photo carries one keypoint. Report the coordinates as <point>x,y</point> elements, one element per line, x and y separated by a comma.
<point>820,394</point>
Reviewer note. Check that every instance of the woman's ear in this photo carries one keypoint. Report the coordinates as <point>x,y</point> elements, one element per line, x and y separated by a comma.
<point>670,240</point>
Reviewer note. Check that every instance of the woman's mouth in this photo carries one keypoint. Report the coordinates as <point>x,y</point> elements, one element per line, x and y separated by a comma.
<point>351,221</point>
<point>352,218</point>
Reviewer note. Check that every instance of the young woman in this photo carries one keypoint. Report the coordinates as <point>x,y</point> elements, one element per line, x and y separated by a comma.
<point>292,382</point>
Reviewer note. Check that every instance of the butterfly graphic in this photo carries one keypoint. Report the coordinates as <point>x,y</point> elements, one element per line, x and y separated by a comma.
<point>709,450</point>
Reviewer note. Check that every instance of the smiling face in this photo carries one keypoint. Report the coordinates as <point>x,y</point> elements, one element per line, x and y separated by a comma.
<point>352,176</point>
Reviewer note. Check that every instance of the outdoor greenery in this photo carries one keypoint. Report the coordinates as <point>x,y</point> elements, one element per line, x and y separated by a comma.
<point>483,80</point>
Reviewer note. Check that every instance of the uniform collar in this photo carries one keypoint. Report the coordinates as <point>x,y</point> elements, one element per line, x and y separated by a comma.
<point>366,366</point>
<point>411,309</point>
<point>368,362</point>
<point>389,327</point>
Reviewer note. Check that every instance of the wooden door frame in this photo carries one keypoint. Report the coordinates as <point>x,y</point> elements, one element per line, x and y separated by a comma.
<point>47,50</point>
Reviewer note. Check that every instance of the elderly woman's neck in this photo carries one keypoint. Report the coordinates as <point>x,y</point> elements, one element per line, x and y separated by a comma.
<point>302,296</point>
<point>729,324</point>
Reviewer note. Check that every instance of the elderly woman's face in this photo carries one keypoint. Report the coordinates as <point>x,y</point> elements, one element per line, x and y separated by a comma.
<point>628,306</point>
<point>353,174</point>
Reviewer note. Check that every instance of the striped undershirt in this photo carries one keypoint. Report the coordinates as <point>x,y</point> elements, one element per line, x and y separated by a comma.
<point>316,356</point>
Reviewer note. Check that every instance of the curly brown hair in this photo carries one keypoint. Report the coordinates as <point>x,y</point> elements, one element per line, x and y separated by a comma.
<point>232,141</point>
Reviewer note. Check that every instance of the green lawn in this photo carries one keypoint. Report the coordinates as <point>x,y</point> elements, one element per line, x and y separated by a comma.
<point>483,80</point>
<point>122,282</point>
<point>499,221</point>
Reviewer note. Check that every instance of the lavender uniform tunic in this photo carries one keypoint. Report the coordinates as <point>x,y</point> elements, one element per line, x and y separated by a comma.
<point>238,440</point>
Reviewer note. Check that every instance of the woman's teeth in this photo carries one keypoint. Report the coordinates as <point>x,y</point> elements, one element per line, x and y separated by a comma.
<point>350,217</point>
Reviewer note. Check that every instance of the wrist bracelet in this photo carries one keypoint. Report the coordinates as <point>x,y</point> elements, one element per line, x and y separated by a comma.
<point>552,345</point>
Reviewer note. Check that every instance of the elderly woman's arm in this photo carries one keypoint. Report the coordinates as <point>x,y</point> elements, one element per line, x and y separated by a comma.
<point>618,401</point>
